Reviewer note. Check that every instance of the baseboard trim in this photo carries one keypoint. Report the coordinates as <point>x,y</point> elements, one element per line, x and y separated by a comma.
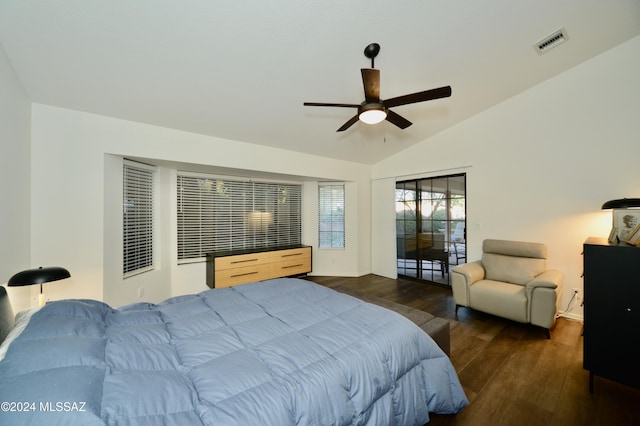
<point>571,316</point>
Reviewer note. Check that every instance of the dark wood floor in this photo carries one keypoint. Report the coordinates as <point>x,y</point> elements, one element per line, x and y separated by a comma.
<point>512,374</point>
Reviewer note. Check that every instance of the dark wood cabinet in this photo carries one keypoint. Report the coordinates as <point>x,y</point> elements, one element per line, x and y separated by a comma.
<point>612,311</point>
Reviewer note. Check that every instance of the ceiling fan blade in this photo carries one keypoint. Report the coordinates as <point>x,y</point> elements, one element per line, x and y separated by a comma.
<point>348,124</point>
<point>371,82</point>
<point>398,120</point>
<point>331,105</point>
<point>427,95</point>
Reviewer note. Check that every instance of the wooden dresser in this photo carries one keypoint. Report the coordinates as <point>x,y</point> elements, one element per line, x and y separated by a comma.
<point>229,268</point>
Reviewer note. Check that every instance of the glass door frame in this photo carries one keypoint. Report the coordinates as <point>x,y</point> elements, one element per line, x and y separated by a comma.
<point>430,227</point>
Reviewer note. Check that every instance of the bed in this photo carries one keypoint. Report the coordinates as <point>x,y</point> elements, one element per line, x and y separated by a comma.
<point>277,352</point>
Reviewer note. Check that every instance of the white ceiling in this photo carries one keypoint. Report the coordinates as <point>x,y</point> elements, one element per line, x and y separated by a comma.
<point>241,70</point>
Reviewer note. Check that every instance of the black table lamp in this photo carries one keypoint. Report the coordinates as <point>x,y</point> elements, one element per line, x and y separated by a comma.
<point>615,236</point>
<point>622,203</point>
<point>38,276</point>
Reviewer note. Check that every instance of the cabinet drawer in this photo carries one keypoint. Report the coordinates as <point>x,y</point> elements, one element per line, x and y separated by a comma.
<point>241,275</point>
<point>241,260</point>
<point>293,266</point>
<point>228,269</point>
<point>282,255</point>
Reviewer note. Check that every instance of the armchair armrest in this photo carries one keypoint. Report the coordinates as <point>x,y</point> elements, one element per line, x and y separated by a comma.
<point>472,271</point>
<point>462,278</point>
<point>543,295</point>
<point>551,278</point>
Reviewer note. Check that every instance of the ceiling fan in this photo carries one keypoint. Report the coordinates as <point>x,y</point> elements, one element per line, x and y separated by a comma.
<point>373,109</point>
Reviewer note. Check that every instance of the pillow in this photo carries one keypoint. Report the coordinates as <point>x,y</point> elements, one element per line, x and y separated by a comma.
<point>510,269</point>
<point>22,319</point>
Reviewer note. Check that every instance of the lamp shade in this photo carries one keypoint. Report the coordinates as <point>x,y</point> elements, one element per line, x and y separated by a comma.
<point>372,113</point>
<point>623,203</point>
<point>38,276</point>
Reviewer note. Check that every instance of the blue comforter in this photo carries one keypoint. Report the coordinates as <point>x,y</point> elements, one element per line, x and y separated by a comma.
<point>279,352</point>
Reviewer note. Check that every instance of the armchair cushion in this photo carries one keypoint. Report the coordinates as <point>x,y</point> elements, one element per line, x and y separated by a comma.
<point>511,270</point>
<point>513,262</point>
<point>500,298</point>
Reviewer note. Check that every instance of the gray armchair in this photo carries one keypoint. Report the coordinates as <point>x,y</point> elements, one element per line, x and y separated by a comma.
<point>511,281</point>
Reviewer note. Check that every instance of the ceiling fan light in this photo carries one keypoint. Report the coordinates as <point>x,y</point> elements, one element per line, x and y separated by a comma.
<point>373,114</point>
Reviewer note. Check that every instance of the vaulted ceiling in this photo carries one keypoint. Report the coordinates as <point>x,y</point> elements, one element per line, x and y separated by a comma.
<point>241,70</point>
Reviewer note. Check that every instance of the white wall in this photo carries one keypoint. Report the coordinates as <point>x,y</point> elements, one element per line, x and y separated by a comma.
<point>383,230</point>
<point>76,201</point>
<point>15,235</point>
<point>539,165</point>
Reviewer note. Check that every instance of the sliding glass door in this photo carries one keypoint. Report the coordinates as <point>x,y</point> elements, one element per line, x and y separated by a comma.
<point>431,227</point>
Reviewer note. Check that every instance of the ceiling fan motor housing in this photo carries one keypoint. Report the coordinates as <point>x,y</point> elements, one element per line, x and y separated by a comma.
<point>372,112</point>
<point>368,106</point>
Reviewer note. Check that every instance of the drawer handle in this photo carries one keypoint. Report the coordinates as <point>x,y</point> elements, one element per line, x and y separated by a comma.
<point>292,254</point>
<point>244,261</point>
<point>242,275</point>
<point>292,266</point>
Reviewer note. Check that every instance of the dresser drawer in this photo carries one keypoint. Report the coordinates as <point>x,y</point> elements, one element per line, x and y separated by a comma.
<point>292,266</point>
<point>241,261</point>
<point>246,274</point>
<point>229,269</point>
<point>285,255</point>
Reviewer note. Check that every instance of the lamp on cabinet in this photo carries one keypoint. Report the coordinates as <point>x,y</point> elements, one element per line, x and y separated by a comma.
<point>622,203</point>
<point>626,220</point>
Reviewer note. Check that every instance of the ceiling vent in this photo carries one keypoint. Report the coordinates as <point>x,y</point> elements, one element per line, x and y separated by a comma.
<point>551,41</point>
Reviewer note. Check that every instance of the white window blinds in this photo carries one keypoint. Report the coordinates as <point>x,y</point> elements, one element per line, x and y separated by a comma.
<point>137,205</point>
<point>331,215</point>
<point>217,214</point>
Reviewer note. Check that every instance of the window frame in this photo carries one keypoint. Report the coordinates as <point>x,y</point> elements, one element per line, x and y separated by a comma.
<point>138,233</point>
<point>331,217</point>
<point>240,214</point>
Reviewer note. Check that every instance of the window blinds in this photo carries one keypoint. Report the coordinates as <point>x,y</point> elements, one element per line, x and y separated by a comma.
<point>331,215</point>
<point>137,205</point>
<point>217,214</point>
